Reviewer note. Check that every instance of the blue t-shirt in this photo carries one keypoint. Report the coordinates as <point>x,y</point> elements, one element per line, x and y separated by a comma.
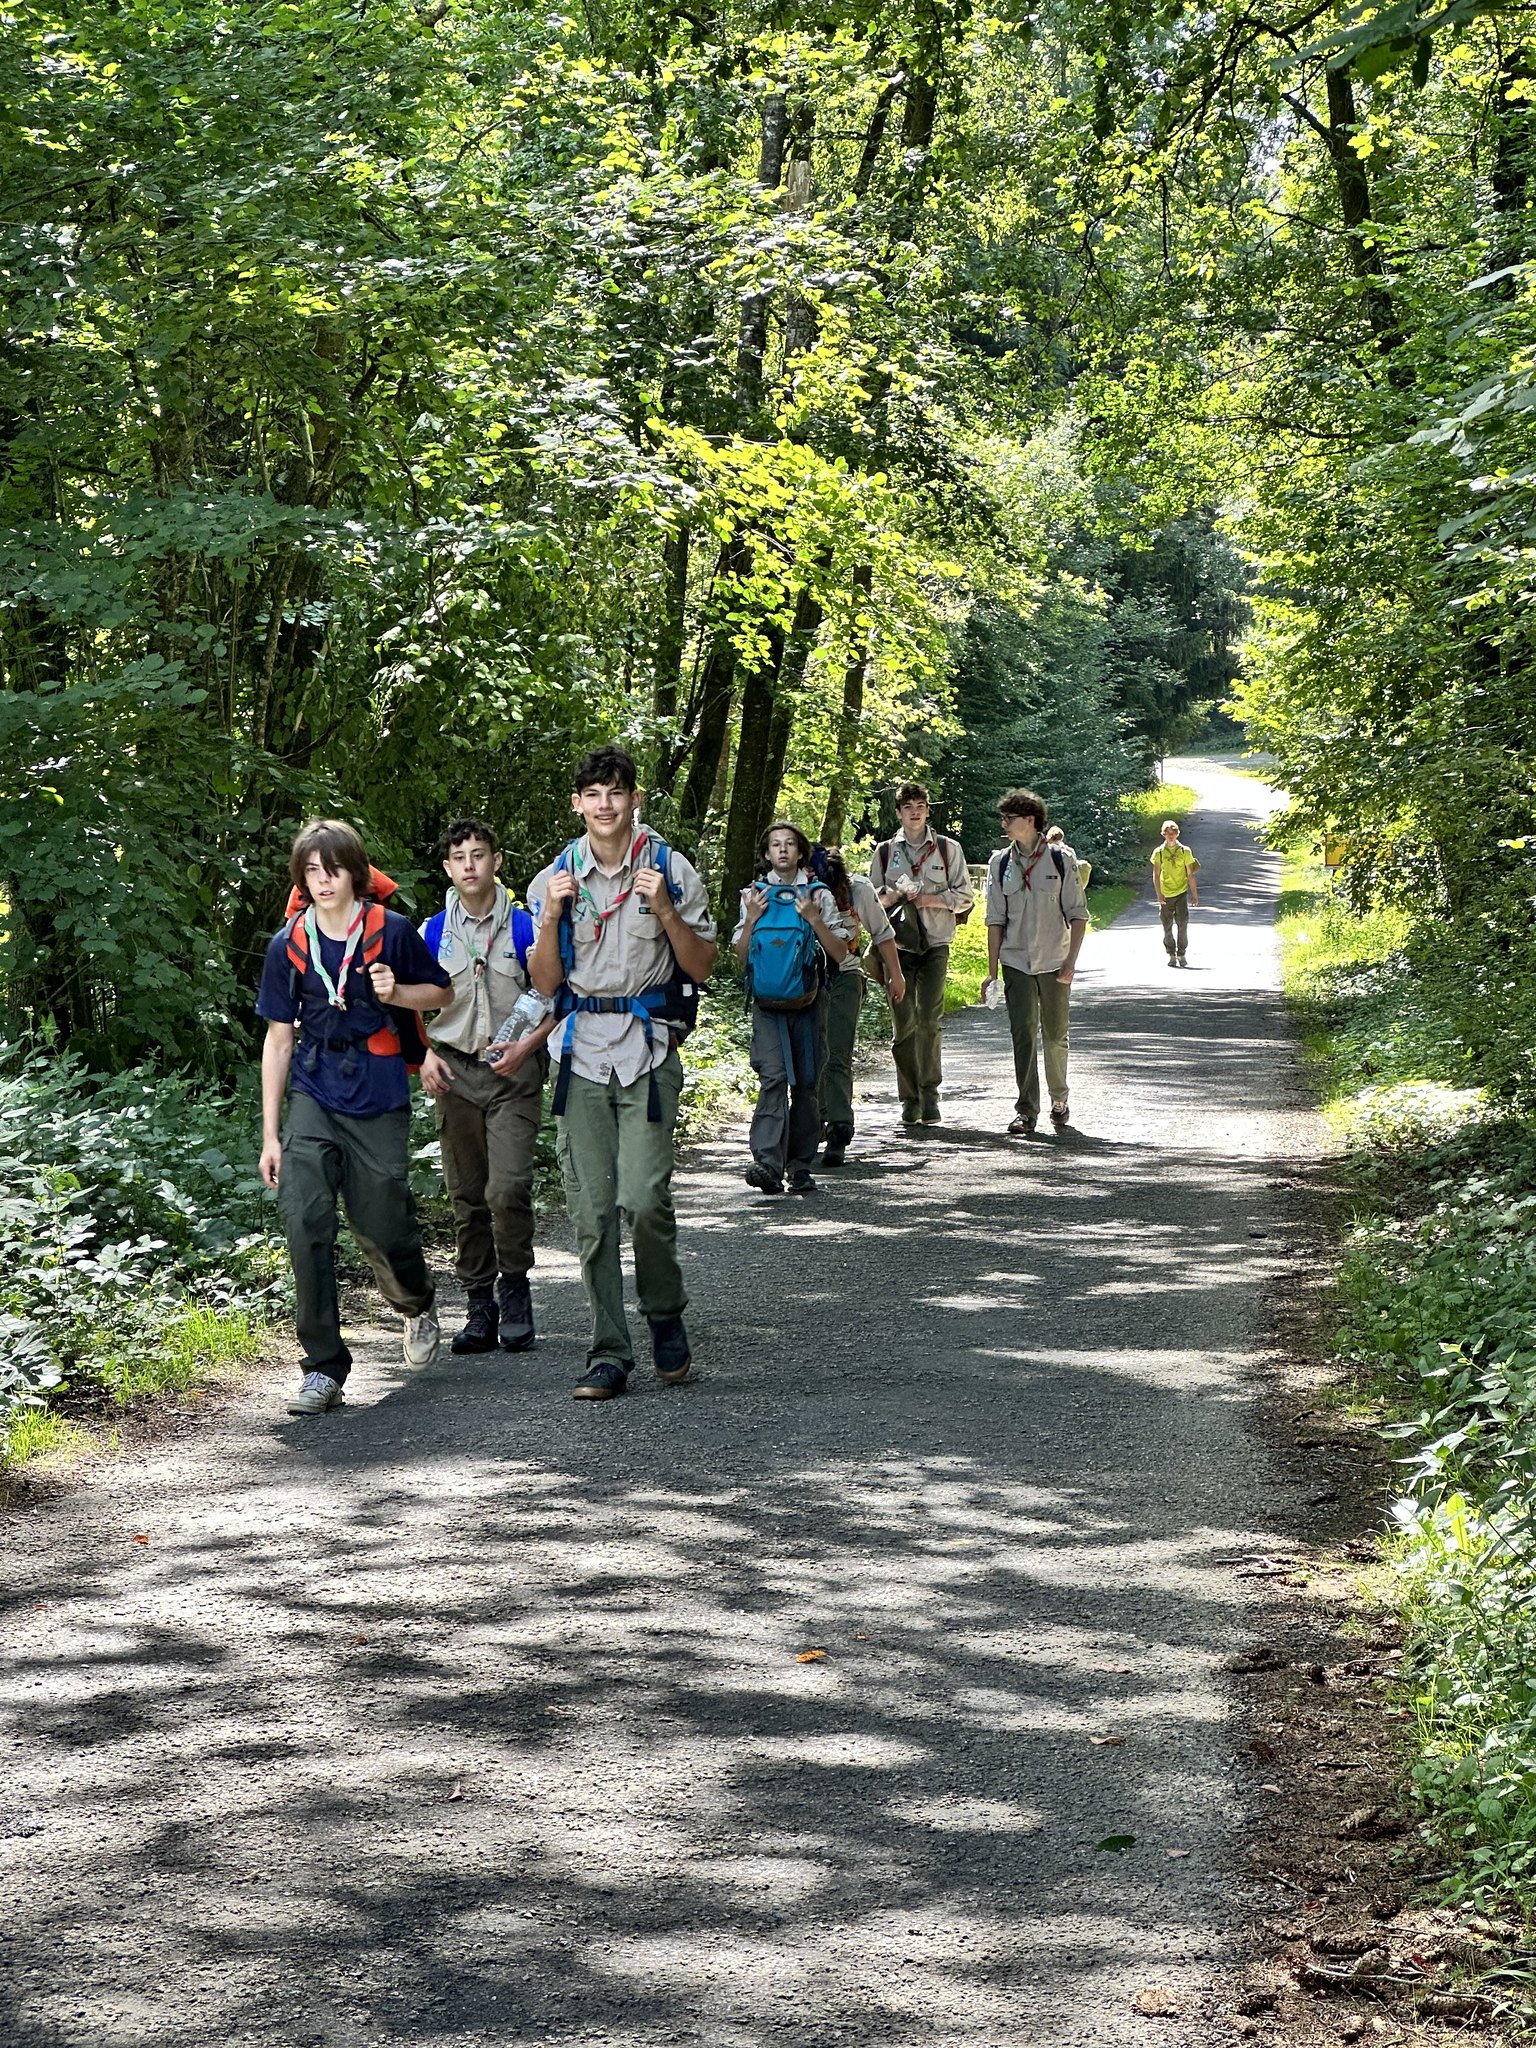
<point>331,1060</point>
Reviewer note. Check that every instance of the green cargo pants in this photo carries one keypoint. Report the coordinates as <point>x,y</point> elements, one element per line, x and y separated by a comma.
<point>838,1022</point>
<point>365,1161</point>
<point>617,1165</point>
<point>1037,1003</point>
<point>488,1128</point>
<point>917,1040</point>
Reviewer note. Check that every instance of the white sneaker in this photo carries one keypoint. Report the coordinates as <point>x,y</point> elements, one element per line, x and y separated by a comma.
<point>422,1338</point>
<point>317,1392</point>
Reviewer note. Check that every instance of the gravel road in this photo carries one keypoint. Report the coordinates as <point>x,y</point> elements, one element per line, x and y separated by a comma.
<point>470,1713</point>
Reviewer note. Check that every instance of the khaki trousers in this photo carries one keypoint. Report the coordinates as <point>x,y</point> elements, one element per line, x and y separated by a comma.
<point>1175,912</point>
<point>488,1128</point>
<point>917,1042</point>
<point>1037,1003</point>
<point>617,1167</point>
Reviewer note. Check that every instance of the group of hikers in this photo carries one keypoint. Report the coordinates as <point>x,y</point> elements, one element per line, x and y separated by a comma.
<point>599,979</point>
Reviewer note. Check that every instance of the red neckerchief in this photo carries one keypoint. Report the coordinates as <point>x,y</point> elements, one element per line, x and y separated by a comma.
<point>1042,845</point>
<point>601,917</point>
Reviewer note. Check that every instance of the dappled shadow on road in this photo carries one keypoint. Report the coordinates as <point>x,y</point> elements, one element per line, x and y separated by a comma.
<point>589,1622</point>
<point>469,1713</point>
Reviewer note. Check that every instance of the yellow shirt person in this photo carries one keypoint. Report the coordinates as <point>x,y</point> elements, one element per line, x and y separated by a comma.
<point>1174,868</point>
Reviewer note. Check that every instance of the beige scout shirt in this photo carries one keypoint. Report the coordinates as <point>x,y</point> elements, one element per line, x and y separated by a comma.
<point>938,868</point>
<point>867,910</point>
<point>621,950</point>
<point>487,980</point>
<point>1035,906</point>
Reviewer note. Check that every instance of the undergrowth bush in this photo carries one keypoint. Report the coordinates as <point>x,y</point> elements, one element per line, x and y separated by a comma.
<point>132,1228</point>
<point>1438,1295</point>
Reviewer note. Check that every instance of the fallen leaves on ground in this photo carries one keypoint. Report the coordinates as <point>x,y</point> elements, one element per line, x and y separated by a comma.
<point>810,1656</point>
<point>1117,1844</point>
<point>140,1539</point>
<point>1157,2003</point>
<point>458,1790</point>
<point>1107,1741</point>
<point>1174,1853</point>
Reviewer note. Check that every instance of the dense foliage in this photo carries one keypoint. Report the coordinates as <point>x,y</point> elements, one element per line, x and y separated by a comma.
<point>397,398</point>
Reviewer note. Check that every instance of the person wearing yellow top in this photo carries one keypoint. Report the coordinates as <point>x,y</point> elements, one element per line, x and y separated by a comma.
<point>1174,869</point>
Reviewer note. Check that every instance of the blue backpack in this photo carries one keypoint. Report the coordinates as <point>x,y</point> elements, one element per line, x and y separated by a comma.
<point>520,931</point>
<point>783,955</point>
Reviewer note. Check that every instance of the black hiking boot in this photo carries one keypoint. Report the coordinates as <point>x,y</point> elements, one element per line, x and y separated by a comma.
<point>669,1349</point>
<point>604,1381</point>
<point>479,1331</point>
<point>838,1139</point>
<point>514,1312</point>
<point>763,1178</point>
<point>801,1183</point>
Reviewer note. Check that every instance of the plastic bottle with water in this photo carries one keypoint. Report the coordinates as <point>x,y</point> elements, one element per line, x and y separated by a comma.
<point>528,1013</point>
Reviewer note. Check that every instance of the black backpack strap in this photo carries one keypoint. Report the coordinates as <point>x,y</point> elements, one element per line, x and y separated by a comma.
<point>883,850</point>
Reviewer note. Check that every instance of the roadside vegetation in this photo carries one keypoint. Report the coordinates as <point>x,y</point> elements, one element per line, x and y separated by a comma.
<point>1436,1329</point>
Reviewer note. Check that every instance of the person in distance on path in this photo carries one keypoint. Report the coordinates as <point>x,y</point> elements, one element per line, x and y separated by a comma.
<point>622,946</point>
<point>1174,869</point>
<point>859,911</point>
<point>786,1054</point>
<point>925,885</point>
<point>337,988</point>
<point>1036,917</point>
<point>1056,837</point>
<point>486,1078</point>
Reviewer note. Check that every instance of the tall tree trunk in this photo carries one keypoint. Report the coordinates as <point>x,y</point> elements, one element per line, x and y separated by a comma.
<point>1514,165</point>
<point>836,814</point>
<point>1354,189</point>
<point>786,702</point>
<point>741,826</point>
<point>672,628</point>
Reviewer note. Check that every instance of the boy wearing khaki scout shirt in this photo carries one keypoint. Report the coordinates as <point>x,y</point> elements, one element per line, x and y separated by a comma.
<point>923,878</point>
<point>487,1099</point>
<point>629,930</point>
<point>1036,916</point>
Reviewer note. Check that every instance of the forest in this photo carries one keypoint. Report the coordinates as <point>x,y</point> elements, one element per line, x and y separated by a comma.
<point>400,396</point>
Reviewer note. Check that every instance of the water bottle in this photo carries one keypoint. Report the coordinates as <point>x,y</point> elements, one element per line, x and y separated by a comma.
<point>528,1013</point>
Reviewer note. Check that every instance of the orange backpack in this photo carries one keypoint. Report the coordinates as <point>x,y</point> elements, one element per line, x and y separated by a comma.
<point>400,1033</point>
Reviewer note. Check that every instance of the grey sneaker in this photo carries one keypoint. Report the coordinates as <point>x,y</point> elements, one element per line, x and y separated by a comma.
<point>317,1392</point>
<point>422,1338</point>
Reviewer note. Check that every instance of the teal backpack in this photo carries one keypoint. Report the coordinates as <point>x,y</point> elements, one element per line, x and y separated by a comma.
<point>783,955</point>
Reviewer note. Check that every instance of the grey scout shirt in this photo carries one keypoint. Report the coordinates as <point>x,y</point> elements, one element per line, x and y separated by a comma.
<point>621,950</point>
<point>937,866</point>
<point>1035,906</point>
<point>479,955</point>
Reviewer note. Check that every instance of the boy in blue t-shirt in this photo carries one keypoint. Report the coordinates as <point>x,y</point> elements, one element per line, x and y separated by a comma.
<point>335,1051</point>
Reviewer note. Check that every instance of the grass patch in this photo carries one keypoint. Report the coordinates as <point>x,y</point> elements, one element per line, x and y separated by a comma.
<point>41,1434</point>
<point>1149,807</point>
<point>188,1350</point>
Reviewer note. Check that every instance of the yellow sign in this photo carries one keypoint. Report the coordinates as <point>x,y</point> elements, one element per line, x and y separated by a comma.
<point>1335,851</point>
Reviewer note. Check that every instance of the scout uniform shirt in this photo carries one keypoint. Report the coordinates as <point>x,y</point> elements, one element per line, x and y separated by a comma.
<point>867,911</point>
<point>621,950</point>
<point>1035,905</point>
<point>938,868</point>
<point>481,961</point>
<point>1174,865</point>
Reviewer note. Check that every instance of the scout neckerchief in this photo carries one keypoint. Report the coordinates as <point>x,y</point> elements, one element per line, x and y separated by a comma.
<point>915,861</point>
<point>601,917</point>
<point>335,991</point>
<point>478,960</point>
<point>1015,852</point>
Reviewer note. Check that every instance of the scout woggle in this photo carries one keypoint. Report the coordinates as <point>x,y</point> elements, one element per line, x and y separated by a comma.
<point>334,995</point>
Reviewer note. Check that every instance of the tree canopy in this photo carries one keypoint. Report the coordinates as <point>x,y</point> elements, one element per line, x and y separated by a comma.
<point>399,397</point>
